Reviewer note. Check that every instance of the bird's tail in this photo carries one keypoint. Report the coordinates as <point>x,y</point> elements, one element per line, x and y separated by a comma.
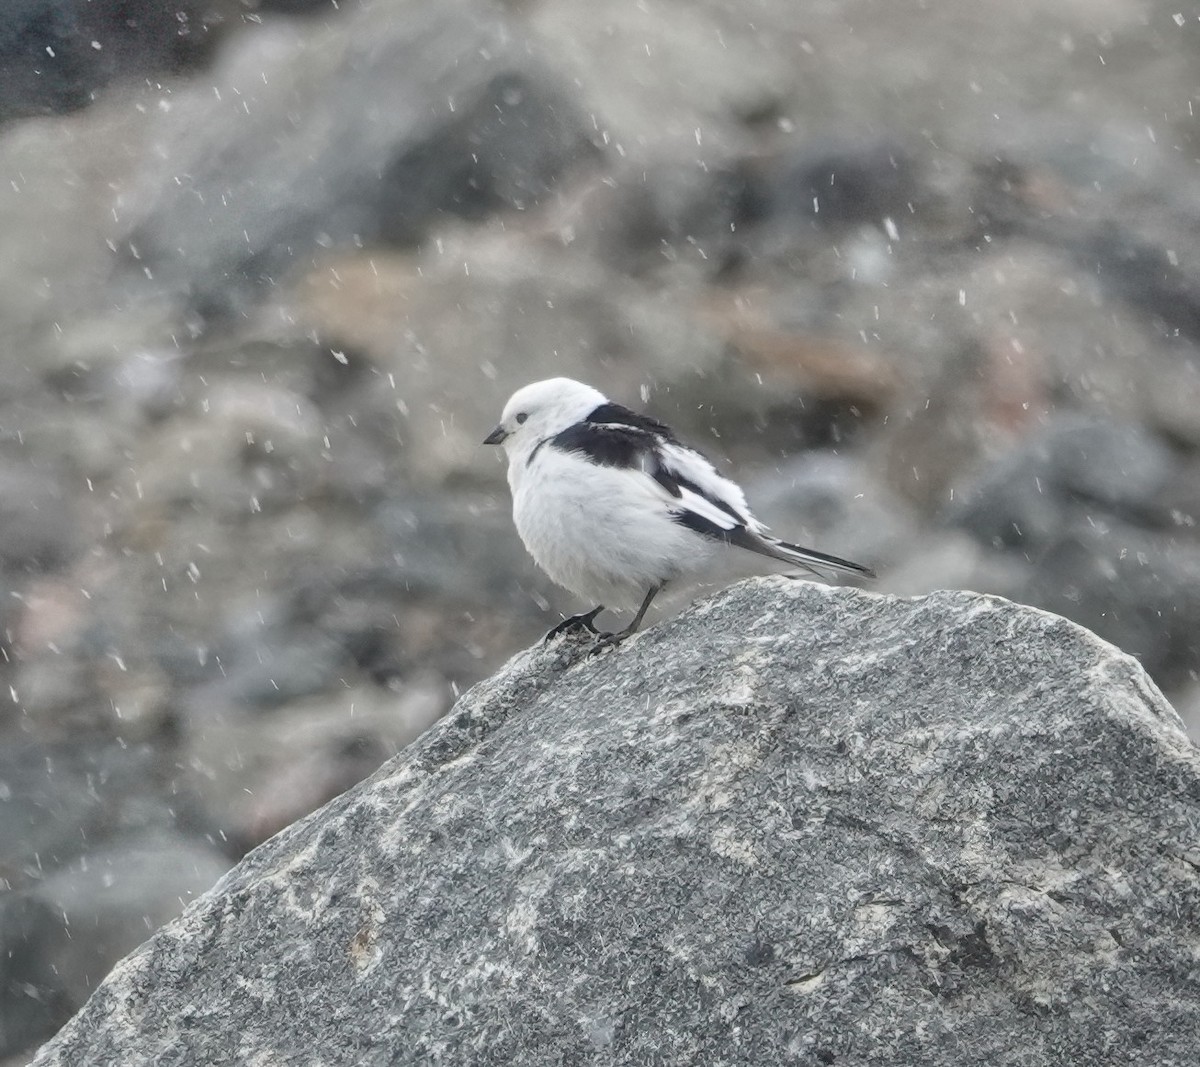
<point>808,558</point>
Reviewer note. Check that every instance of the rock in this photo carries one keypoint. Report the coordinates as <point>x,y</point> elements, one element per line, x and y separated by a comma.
<point>1075,468</point>
<point>838,184</point>
<point>1099,516</point>
<point>829,500</point>
<point>59,799</point>
<point>347,131</point>
<point>504,152</point>
<point>32,1002</point>
<point>479,313</point>
<point>256,772</point>
<point>1135,588</point>
<point>951,559</point>
<point>63,935</point>
<point>37,517</point>
<point>796,822</point>
<point>56,55</point>
<point>109,901</point>
<point>657,85</point>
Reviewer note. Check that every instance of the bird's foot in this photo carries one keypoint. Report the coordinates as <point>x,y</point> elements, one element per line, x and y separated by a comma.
<point>575,623</point>
<point>604,641</point>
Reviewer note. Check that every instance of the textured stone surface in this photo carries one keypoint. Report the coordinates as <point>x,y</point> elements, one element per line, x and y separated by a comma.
<point>795,824</point>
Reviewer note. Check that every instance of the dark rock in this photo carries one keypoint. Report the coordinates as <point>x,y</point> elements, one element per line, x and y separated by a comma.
<point>795,822</point>
<point>1092,511</point>
<point>504,151</point>
<point>643,222</point>
<point>1147,276</point>
<point>339,134</point>
<point>838,184</point>
<point>108,902</point>
<point>1139,590</point>
<point>60,938</point>
<point>1076,469</point>
<point>33,1003</point>
<point>37,517</point>
<point>56,55</point>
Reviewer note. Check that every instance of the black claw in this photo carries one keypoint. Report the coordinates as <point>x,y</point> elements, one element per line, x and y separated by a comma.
<point>609,640</point>
<point>578,622</point>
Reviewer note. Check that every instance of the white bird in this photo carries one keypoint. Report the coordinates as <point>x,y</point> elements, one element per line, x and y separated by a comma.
<point>612,505</point>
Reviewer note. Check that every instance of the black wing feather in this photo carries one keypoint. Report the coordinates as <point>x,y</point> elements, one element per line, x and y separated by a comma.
<point>621,444</point>
<point>609,445</point>
<point>614,436</point>
<point>610,414</point>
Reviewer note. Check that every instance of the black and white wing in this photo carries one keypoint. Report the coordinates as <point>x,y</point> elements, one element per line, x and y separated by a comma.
<point>694,493</point>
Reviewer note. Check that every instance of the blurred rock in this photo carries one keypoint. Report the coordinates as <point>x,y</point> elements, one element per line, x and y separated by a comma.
<point>58,800</point>
<point>1075,471</point>
<point>1086,506</point>
<point>1172,400</point>
<point>284,158</point>
<point>1149,277</point>
<point>819,390</point>
<point>843,185</point>
<point>33,1002</point>
<point>952,559</point>
<point>37,517</point>
<point>453,331</point>
<point>504,152</point>
<point>432,539</point>
<point>1186,701</point>
<point>658,85</point>
<point>65,934</point>
<point>56,693</point>
<point>1137,589</point>
<point>249,447</point>
<point>56,55</point>
<point>834,502</point>
<point>258,771</point>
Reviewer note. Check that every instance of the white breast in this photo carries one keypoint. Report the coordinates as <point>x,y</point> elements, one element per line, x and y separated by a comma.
<point>605,533</point>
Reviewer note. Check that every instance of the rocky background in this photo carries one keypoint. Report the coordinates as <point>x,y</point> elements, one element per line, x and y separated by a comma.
<point>928,273</point>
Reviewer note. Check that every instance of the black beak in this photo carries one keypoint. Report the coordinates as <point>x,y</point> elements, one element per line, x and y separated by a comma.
<point>496,436</point>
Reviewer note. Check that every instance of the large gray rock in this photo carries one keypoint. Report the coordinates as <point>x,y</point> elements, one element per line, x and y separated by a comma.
<point>795,824</point>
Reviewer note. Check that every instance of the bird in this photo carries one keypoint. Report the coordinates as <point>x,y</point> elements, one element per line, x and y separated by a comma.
<point>612,505</point>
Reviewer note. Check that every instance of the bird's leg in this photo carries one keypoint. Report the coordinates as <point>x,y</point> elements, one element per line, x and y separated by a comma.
<point>620,635</point>
<point>585,621</point>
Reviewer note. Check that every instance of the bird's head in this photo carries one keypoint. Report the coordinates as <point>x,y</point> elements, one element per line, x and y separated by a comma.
<point>542,410</point>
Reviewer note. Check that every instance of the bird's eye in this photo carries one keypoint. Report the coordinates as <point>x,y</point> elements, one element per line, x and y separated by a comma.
<point>521,418</point>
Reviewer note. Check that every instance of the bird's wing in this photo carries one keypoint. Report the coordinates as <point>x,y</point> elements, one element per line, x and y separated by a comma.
<point>608,444</point>
<point>702,495</point>
<point>689,486</point>
<point>610,414</point>
<point>691,490</point>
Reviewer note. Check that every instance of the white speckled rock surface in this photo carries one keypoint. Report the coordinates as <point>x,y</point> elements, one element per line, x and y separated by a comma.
<point>796,824</point>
